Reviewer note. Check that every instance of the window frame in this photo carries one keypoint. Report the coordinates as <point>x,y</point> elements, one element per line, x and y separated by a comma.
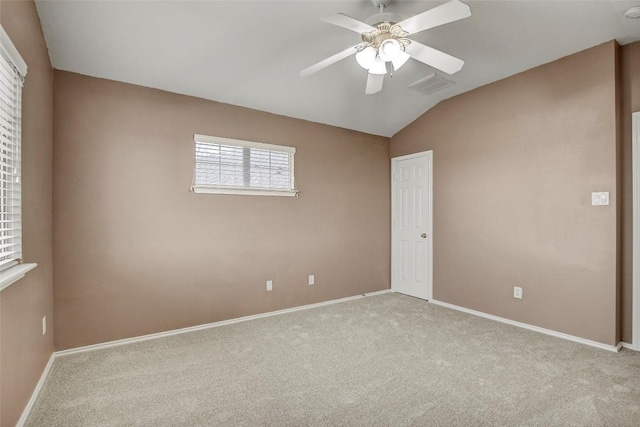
<point>15,270</point>
<point>243,190</point>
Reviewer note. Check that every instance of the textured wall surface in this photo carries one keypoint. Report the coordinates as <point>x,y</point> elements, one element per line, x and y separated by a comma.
<point>24,351</point>
<point>136,252</point>
<point>515,163</point>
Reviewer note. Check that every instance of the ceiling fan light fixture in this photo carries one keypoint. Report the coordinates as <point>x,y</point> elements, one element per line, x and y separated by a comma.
<point>389,49</point>
<point>385,47</point>
<point>366,57</point>
<point>400,60</point>
<point>379,66</point>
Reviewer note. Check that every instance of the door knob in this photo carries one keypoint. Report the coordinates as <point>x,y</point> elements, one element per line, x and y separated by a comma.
<point>423,235</point>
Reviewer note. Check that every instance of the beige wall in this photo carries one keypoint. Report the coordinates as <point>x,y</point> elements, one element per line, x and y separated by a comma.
<point>23,350</point>
<point>137,253</point>
<point>514,165</point>
<point>630,103</point>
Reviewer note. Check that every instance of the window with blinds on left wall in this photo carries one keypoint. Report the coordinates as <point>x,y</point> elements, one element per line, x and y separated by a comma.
<point>13,70</point>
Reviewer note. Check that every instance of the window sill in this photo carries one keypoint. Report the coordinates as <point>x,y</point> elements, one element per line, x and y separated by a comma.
<point>244,191</point>
<point>13,274</point>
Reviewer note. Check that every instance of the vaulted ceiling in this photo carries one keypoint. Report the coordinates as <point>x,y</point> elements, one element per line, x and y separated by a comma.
<point>250,53</point>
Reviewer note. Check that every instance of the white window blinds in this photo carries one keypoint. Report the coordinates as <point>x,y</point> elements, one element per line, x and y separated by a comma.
<point>242,167</point>
<point>12,70</point>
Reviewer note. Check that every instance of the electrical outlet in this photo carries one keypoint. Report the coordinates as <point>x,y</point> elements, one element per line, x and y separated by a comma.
<point>600,198</point>
<point>312,279</point>
<point>517,292</point>
<point>44,325</point>
<point>269,285</point>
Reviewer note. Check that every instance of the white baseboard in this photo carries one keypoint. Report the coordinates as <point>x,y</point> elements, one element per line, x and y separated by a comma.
<point>210,325</point>
<point>614,348</point>
<point>45,373</point>
<point>629,346</point>
<point>36,392</point>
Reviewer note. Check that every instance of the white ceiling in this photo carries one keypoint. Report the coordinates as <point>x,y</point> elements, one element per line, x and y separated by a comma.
<point>249,53</point>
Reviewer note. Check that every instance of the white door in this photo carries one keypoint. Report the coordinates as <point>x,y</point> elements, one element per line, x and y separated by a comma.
<point>411,261</point>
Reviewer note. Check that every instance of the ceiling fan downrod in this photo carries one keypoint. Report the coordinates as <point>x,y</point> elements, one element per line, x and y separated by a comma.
<point>382,16</point>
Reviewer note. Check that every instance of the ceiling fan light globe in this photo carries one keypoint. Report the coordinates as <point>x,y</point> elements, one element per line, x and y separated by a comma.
<point>379,66</point>
<point>389,49</point>
<point>400,60</point>
<point>366,57</point>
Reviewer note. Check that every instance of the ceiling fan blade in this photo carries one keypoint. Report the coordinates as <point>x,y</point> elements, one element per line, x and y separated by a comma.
<point>448,12</point>
<point>330,60</point>
<point>374,83</point>
<point>433,57</point>
<point>344,21</point>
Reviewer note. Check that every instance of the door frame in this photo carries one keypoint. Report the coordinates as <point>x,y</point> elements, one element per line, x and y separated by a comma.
<point>635,147</point>
<point>429,156</point>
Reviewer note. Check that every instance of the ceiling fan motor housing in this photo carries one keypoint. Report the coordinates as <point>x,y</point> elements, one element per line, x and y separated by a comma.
<point>384,31</point>
<point>379,18</point>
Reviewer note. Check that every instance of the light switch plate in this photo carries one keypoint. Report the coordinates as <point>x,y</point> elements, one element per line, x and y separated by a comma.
<point>600,198</point>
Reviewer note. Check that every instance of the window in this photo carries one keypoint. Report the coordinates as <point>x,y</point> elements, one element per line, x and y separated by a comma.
<point>12,72</point>
<point>230,166</point>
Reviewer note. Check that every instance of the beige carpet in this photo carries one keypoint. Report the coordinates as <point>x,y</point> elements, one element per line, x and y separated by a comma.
<point>386,360</point>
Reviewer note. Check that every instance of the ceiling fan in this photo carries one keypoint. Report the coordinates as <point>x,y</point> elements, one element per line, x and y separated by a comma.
<point>385,46</point>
